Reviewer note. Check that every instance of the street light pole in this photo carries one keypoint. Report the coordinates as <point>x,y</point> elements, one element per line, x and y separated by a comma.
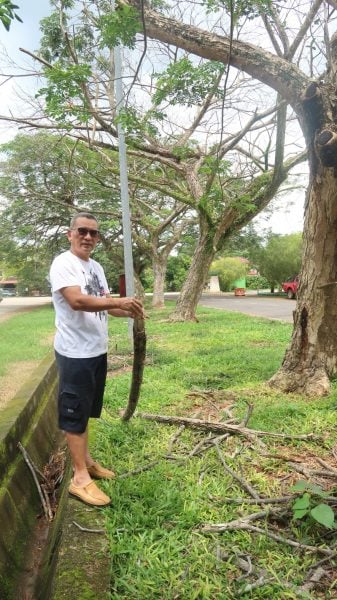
<point>124,186</point>
<point>126,220</point>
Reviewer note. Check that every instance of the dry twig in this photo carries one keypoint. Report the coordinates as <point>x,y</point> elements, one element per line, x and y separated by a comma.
<point>240,501</point>
<point>244,524</point>
<point>43,496</point>
<point>237,477</point>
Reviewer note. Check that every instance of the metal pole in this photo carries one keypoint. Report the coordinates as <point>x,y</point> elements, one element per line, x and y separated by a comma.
<point>123,174</point>
<point>128,259</point>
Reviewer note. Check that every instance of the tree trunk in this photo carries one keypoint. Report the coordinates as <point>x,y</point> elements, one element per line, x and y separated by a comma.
<point>196,278</point>
<point>311,359</point>
<point>159,272</point>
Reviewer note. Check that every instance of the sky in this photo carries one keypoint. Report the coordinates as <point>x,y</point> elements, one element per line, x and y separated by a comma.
<point>21,35</point>
<point>287,215</point>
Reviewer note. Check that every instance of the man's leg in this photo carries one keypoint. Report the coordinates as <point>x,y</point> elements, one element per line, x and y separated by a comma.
<point>94,468</point>
<point>78,447</point>
<point>89,461</point>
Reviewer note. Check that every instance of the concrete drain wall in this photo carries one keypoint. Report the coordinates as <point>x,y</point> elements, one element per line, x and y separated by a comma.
<point>40,560</point>
<point>30,418</point>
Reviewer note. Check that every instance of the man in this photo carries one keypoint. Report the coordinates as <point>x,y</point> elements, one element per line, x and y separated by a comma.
<point>82,304</point>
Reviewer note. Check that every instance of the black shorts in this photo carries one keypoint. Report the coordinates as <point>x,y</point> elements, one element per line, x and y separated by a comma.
<point>81,390</point>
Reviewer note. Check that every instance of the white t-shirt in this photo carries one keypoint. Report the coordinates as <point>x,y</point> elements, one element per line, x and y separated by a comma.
<point>79,334</point>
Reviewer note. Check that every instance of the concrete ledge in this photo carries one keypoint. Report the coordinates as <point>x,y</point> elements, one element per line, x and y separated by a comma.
<point>83,568</point>
<point>40,560</point>
<point>31,419</point>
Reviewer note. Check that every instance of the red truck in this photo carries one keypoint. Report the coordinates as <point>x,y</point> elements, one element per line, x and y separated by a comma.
<point>290,287</point>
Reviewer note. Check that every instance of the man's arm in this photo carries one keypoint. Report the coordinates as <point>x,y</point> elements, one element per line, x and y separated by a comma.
<point>128,307</point>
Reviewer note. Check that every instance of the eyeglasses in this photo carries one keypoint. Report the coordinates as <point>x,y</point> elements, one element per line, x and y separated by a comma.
<point>83,231</point>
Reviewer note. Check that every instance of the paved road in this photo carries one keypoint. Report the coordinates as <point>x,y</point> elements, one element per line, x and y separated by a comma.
<point>258,306</point>
<point>10,306</point>
<point>277,308</point>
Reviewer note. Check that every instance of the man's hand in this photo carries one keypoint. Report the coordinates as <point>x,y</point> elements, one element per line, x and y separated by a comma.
<point>133,306</point>
<point>118,307</point>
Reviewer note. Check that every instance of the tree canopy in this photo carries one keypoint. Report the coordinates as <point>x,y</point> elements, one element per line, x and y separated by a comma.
<point>7,13</point>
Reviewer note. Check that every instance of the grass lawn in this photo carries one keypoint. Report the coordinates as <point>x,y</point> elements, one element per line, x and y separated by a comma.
<point>26,337</point>
<point>174,482</point>
<point>212,370</point>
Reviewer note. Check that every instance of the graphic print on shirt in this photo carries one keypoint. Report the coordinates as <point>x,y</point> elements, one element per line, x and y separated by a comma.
<point>93,287</point>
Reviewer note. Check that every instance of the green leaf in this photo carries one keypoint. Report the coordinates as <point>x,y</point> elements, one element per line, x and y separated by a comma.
<point>299,486</point>
<point>303,502</point>
<point>185,83</point>
<point>312,488</point>
<point>7,13</point>
<point>317,490</point>
<point>323,514</point>
<point>119,27</point>
<point>299,514</point>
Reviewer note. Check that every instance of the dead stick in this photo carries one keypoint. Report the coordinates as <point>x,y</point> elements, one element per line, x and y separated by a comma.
<point>174,438</point>
<point>324,560</point>
<point>215,426</point>
<point>36,469</point>
<point>280,500</point>
<point>27,460</point>
<point>139,470</point>
<point>314,578</point>
<point>326,465</point>
<point>199,447</point>
<point>248,527</point>
<point>245,420</point>
<point>237,477</point>
<point>46,497</point>
<point>178,433</point>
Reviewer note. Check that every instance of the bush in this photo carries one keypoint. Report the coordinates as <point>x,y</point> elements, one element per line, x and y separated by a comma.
<point>257,282</point>
<point>228,269</point>
<point>177,269</point>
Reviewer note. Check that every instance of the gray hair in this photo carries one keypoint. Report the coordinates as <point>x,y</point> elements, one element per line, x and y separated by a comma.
<point>84,215</point>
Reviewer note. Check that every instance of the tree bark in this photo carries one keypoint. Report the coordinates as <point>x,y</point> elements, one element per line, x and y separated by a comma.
<point>311,358</point>
<point>159,271</point>
<point>197,275</point>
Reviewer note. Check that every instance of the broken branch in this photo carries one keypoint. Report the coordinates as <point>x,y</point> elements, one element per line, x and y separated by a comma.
<point>222,427</point>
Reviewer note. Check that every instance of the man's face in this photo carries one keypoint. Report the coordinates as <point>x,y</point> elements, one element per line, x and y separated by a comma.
<point>83,237</point>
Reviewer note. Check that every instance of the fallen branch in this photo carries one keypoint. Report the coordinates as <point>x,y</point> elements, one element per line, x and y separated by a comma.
<point>139,470</point>
<point>222,427</point>
<point>310,472</point>
<point>326,465</point>
<point>237,477</point>
<point>314,578</point>
<point>43,496</point>
<point>174,438</point>
<point>245,420</point>
<point>178,433</point>
<point>244,524</point>
<point>240,501</point>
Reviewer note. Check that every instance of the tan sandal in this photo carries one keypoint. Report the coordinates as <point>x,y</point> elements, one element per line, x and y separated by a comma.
<point>90,494</point>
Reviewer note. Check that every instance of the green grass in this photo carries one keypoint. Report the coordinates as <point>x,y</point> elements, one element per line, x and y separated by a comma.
<point>154,524</point>
<point>26,337</point>
<point>157,548</point>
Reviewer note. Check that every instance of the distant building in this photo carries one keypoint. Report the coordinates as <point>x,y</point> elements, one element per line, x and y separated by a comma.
<point>9,284</point>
